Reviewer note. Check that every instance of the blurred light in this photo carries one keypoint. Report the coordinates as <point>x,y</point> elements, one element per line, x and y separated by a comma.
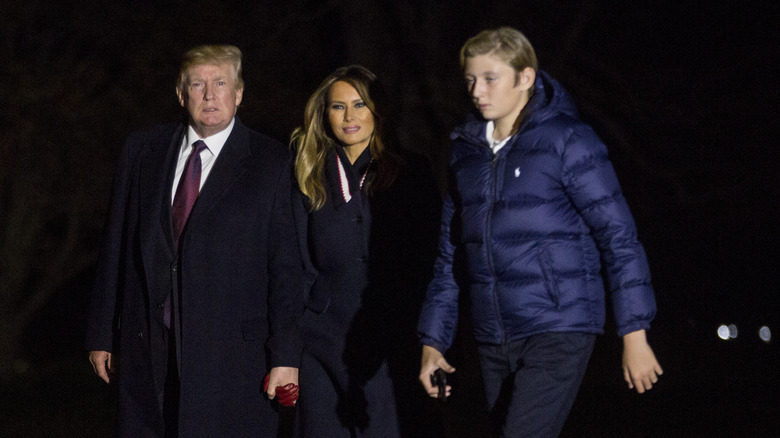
<point>733,331</point>
<point>765,334</point>
<point>727,332</point>
<point>723,332</point>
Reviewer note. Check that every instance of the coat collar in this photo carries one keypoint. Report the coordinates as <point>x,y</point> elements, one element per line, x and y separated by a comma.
<point>158,171</point>
<point>354,173</point>
<point>228,168</point>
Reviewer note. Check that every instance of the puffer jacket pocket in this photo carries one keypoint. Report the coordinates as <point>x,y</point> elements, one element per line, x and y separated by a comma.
<point>550,279</point>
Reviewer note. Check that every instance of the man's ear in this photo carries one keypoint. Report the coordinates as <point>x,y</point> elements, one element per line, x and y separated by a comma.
<point>239,96</point>
<point>181,96</point>
<point>526,78</point>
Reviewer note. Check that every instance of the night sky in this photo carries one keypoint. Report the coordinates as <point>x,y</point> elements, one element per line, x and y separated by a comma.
<point>684,96</point>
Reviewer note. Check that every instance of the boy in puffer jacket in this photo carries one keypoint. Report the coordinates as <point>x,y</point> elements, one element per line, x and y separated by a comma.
<point>533,207</point>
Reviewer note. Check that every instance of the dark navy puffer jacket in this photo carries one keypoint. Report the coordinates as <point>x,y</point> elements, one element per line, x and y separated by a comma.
<point>534,223</point>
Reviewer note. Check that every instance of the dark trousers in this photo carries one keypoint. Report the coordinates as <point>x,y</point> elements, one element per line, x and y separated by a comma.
<point>531,384</point>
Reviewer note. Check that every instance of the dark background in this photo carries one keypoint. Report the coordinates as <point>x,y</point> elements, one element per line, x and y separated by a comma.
<point>685,96</point>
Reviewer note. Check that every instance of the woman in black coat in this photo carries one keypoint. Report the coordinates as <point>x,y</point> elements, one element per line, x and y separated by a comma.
<point>367,218</point>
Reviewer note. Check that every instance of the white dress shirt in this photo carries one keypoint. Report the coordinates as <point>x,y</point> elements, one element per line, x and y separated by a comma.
<point>208,156</point>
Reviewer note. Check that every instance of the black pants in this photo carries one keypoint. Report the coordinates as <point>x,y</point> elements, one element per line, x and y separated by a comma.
<point>531,384</point>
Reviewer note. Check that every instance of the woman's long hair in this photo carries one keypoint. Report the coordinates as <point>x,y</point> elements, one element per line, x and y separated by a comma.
<point>314,140</point>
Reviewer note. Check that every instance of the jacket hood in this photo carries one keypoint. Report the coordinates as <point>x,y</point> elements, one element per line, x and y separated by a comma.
<point>550,99</point>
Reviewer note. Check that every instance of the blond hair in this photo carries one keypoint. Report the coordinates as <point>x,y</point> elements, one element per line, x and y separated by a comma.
<point>509,44</point>
<point>210,55</point>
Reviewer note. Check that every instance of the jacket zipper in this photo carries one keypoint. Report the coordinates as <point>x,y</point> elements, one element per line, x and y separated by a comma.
<point>488,246</point>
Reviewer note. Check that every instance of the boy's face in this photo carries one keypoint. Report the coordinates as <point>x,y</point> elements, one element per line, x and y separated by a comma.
<point>498,91</point>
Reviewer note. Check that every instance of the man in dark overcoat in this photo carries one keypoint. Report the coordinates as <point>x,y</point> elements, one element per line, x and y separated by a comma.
<point>197,291</point>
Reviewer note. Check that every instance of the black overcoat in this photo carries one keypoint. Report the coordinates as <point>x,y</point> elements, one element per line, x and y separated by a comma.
<point>237,277</point>
<point>368,263</point>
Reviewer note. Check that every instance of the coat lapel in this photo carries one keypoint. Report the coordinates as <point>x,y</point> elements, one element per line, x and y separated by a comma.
<point>156,178</point>
<point>333,179</point>
<point>228,168</point>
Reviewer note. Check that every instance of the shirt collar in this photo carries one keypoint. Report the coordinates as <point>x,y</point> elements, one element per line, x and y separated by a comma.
<point>214,143</point>
<point>494,145</point>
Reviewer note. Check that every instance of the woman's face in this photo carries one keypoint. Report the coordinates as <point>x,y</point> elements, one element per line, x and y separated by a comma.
<point>350,119</point>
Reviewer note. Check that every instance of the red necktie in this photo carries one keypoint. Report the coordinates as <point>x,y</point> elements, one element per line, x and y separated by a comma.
<point>186,194</point>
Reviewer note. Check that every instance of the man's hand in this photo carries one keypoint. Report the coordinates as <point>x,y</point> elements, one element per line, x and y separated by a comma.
<point>640,367</point>
<point>286,380</point>
<point>102,364</point>
<point>432,360</point>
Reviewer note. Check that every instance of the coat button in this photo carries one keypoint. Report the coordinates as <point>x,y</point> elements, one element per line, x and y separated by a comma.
<point>363,259</point>
<point>359,219</point>
<point>140,335</point>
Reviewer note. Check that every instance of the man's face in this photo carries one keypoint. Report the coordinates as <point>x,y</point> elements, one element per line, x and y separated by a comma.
<point>210,97</point>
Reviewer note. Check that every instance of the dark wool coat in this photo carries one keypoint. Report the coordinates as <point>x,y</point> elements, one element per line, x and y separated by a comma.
<point>534,223</point>
<point>368,262</point>
<point>238,279</point>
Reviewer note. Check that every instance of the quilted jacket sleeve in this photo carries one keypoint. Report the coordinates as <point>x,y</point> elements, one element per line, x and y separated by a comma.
<point>439,314</point>
<point>591,183</point>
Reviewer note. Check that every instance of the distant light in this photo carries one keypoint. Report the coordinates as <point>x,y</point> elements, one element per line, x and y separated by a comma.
<point>733,331</point>
<point>765,334</point>
<point>727,332</point>
<point>723,332</point>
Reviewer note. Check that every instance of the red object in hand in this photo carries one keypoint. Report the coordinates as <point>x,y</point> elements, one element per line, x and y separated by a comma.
<point>287,395</point>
